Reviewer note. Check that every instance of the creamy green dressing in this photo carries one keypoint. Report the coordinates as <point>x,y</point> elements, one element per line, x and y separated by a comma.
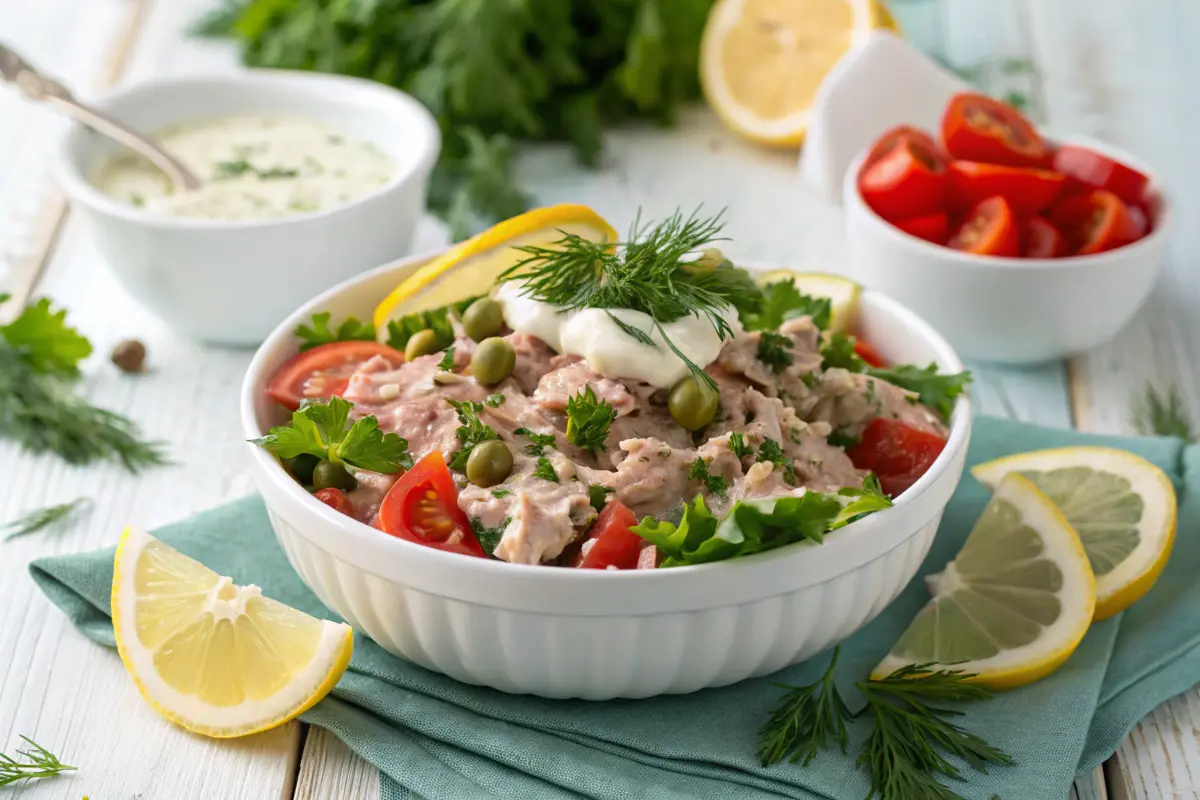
<point>250,167</point>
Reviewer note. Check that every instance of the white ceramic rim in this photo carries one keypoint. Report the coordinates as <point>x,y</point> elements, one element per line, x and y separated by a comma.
<point>1161,228</point>
<point>77,185</point>
<point>637,592</point>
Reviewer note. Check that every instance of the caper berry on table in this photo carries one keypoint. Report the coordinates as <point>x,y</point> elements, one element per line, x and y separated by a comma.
<point>693,405</point>
<point>421,343</point>
<point>493,361</point>
<point>490,463</point>
<point>129,355</point>
<point>328,475</point>
<point>483,318</point>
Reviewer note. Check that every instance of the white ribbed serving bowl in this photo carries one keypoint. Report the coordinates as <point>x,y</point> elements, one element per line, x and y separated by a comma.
<point>602,634</point>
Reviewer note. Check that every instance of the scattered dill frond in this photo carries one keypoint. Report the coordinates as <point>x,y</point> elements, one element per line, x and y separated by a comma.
<point>44,518</point>
<point>808,720</point>
<point>1158,413</point>
<point>38,763</point>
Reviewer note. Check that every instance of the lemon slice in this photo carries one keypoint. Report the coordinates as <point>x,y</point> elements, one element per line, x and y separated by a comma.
<point>843,293</point>
<point>1013,604</point>
<point>216,658</point>
<point>761,61</point>
<point>471,268</point>
<point>1122,506</point>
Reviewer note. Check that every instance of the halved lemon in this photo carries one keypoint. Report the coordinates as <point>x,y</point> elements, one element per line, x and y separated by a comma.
<point>1013,604</point>
<point>217,658</point>
<point>471,268</point>
<point>1122,506</point>
<point>842,292</point>
<point>762,61</point>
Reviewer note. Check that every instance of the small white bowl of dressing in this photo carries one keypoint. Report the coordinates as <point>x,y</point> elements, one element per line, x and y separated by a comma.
<point>307,180</point>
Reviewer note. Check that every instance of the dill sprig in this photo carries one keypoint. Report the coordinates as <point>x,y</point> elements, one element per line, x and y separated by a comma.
<point>806,722</point>
<point>43,518</point>
<point>1158,413</point>
<point>41,763</point>
<point>654,272</point>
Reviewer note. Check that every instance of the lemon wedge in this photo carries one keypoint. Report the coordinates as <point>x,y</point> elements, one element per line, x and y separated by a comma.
<point>762,61</point>
<point>1013,604</point>
<point>842,292</point>
<point>1122,506</point>
<point>471,268</point>
<point>217,658</point>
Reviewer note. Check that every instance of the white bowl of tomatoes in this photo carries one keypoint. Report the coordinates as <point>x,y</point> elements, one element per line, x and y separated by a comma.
<point>1019,248</point>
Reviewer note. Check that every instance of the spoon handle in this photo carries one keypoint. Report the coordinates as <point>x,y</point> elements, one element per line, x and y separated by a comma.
<point>38,87</point>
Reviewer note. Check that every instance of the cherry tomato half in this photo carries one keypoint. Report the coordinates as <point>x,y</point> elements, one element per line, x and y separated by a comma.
<point>324,371</point>
<point>1027,190</point>
<point>977,128</point>
<point>1096,171</point>
<point>910,181</point>
<point>932,227</point>
<point>888,140</point>
<point>1040,239</point>
<point>422,507</point>
<point>335,499</point>
<point>898,454</point>
<point>613,543</point>
<point>867,353</point>
<point>1094,222</point>
<point>990,229</point>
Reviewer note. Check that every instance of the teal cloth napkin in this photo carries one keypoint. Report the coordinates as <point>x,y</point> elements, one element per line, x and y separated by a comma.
<point>437,739</point>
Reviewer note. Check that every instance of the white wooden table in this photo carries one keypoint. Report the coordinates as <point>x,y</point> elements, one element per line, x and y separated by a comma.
<point>1125,70</point>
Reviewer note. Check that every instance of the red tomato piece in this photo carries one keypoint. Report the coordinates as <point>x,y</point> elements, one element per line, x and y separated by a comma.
<point>422,507</point>
<point>867,353</point>
<point>977,128</point>
<point>898,454</point>
<point>1094,222</point>
<point>910,181</point>
<point>324,371</point>
<point>1027,190</point>
<point>1040,239</point>
<point>990,229</point>
<point>1097,171</point>
<point>612,542</point>
<point>335,499</point>
<point>888,140</point>
<point>932,227</point>
<point>1141,220</point>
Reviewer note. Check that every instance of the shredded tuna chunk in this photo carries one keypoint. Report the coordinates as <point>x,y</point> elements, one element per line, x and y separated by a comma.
<point>849,400</point>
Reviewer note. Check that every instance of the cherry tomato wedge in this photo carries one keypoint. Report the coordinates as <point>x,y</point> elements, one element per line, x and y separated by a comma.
<point>898,454</point>
<point>422,507</point>
<point>867,353</point>
<point>335,499</point>
<point>324,371</point>
<point>1027,190</point>
<point>932,227</point>
<point>612,543</point>
<point>1040,239</point>
<point>888,140</point>
<point>1141,220</point>
<point>977,128</point>
<point>1096,171</point>
<point>990,229</point>
<point>909,181</point>
<point>1094,222</point>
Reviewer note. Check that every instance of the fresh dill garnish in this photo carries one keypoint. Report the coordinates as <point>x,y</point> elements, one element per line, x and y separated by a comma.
<point>43,518</point>
<point>698,471</point>
<point>649,273</point>
<point>598,495</point>
<point>781,301</point>
<point>39,763</point>
<point>500,494</point>
<point>588,420</point>
<point>471,432</point>
<point>545,470</point>
<point>738,446</point>
<point>1157,413</point>
<point>774,350</point>
<point>809,719</point>
<point>447,362</point>
<point>770,451</point>
<point>495,400</point>
<point>318,331</point>
<point>488,537</point>
<point>540,441</point>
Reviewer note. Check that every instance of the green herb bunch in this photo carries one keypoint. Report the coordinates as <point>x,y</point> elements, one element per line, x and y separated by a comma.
<point>493,72</point>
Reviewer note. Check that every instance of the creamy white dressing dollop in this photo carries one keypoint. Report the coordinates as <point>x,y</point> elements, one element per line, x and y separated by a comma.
<point>610,351</point>
<point>250,167</point>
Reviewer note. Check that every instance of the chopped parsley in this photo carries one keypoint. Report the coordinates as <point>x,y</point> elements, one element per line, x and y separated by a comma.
<point>737,444</point>
<point>838,351</point>
<point>774,350</point>
<point>447,362</point>
<point>540,441</point>
<point>783,301</point>
<point>598,495</point>
<point>318,332</point>
<point>500,494</point>
<point>714,483</point>
<point>545,470</point>
<point>495,400</point>
<point>322,429</point>
<point>770,451</point>
<point>839,438</point>
<point>588,420</point>
<point>489,538</point>
<point>470,433</point>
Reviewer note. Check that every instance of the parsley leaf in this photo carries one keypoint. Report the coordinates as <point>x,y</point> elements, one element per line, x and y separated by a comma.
<point>935,391</point>
<point>540,441</point>
<point>500,494</point>
<point>770,451</point>
<point>447,362</point>
<point>588,420</point>
<point>470,433</point>
<point>545,470</point>
<point>318,331</point>
<point>838,351</point>
<point>783,301</point>
<point>320,429</point>
<point>436,320</point>
<point>773,350</point>
<point>495,400</point>
<point>714,483</point>
<point>737,444</point>
<point>838,437</point>
<point>43,339</point>
<point>598,495</point>
<point>489,538</point>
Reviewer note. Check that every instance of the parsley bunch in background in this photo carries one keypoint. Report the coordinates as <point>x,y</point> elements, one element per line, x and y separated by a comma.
<point>491,71</point>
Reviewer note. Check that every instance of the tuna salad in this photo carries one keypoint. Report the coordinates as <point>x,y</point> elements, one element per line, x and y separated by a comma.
<point>589,417</point>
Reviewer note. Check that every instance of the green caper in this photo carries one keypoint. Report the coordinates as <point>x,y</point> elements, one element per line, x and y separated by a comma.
<point>302,467</point>
<point>483,318</point>
<point>421,343</point>
<point>490,463</point>
<point>693,405</point>
<point>493,361</point>
<point>328,475</point>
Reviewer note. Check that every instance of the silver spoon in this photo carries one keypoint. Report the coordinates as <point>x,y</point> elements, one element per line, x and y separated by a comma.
<point>35,86</point>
